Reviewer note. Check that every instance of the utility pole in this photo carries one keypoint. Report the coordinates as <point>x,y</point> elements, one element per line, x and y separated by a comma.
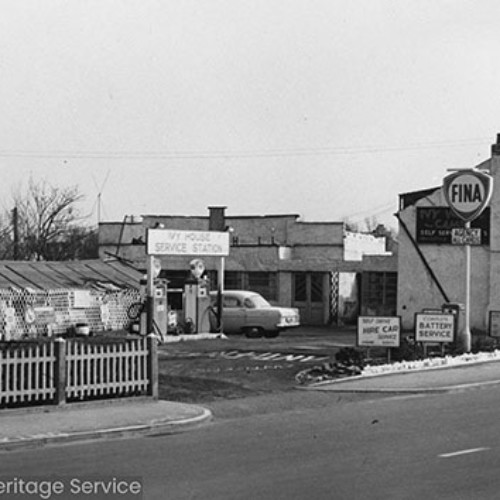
<point>15,226</point>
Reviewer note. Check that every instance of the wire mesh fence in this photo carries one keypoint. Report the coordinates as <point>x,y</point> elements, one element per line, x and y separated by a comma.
<point>30,313</point>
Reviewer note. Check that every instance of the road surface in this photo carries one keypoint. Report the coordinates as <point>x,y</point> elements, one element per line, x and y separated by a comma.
<point>318,446</point>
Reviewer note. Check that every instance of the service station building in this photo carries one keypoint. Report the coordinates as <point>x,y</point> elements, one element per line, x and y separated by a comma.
<point>330,274</point>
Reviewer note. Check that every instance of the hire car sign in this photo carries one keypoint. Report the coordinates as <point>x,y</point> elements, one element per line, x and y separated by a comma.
<point>379,331</point>
<point>468,192</point>
<point>174,242</point>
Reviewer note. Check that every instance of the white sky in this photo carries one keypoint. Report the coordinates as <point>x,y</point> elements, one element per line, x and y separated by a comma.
<point>324,108</point>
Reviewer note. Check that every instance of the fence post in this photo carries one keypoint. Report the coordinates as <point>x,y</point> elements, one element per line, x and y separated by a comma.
<point>152,346</point>
<point>60,371</point>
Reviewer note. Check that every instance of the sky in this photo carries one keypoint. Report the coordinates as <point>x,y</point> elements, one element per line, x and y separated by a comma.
<point>328,109</point>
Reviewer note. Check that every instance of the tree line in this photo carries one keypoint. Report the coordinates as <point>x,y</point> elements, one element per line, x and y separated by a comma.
<point>42,222</point>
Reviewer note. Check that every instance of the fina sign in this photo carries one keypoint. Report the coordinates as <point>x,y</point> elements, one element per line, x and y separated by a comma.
<point>468,192</point>
<point>174,242</point>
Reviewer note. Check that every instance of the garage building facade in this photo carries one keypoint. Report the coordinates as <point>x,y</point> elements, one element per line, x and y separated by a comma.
<point>318,267</point>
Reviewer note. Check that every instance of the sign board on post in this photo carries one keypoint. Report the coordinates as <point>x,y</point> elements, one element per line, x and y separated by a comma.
<point>466,236</point>
<point>379,331</point>
<point>434,328</point>
<point>494,324</point>
<point>184,243</point>
<point>468,192</point>
<point>176,242</point>
<point>434,225</point>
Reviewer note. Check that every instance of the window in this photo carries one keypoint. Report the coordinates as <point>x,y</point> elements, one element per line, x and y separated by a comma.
<point>232,280</point>
<point>380,290</point>
<point>308,287</point>
<point>316,287</point>
<point>300,287</point>
<point>211,278</point>
<point>248,303</point>
<point>263,283</point>
<point>230,302</point>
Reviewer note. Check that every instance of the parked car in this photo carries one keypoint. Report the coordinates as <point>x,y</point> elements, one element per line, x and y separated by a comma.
<point>250,313</point>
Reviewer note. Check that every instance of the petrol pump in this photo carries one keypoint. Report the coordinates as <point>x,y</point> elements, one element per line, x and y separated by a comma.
<point>196,300</point>
<point>160,308</point>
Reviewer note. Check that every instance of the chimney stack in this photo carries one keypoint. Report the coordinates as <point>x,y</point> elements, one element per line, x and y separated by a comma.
<point>217,219</point>
<point>495,148</point>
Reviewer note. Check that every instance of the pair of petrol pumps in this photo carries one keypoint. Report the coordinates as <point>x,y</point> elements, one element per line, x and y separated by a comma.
<point>197,315</point>
<point>197,309</point>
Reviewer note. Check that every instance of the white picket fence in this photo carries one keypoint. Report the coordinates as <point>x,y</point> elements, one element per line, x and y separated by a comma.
<point>59,371</point>
<point>100,370</point>
<point>27,374</point>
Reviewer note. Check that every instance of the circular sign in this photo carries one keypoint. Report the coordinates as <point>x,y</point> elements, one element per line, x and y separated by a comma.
<point>29,315</point>
<point>197,267</point>
<point>468,192</point>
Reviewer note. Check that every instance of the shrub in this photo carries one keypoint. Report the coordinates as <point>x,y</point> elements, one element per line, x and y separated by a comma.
<point>409,350</point>
<point>349,356</point>
<point>483,344</point>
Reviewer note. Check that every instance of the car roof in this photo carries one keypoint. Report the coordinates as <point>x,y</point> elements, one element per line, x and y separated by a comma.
<point>236,293</point>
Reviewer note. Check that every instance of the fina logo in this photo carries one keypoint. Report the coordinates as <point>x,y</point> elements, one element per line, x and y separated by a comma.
<point>468,192</point>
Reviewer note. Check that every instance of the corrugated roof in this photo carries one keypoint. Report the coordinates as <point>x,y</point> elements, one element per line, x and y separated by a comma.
<point>68,274</point>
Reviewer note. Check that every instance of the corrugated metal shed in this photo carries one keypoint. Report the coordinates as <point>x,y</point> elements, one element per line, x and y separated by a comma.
<point>68,274</point>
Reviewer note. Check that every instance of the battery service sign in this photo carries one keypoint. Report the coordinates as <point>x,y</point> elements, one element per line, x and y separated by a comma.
<point>436,327</point>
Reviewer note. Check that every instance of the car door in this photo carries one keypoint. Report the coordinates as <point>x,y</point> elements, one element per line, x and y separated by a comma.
<point>233,314</point>
<point>256,317</point>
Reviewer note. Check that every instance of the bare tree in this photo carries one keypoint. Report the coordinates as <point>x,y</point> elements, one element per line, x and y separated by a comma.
<point>6,237</point>
<point>371,224</point>
<point>45,223</point>
<point>351,226</point>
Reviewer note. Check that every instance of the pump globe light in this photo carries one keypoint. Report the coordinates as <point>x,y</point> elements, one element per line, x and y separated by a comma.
<point>197,267</point>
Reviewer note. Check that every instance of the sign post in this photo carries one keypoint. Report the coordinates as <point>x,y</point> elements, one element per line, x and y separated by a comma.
<point>467,192</point>
<point>494,324</point>
<point>379,331</point>
<point>434,328</point>
<point>153,270</point>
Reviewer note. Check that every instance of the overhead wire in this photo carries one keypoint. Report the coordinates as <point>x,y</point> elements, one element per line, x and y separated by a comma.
<point>258,153</point>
